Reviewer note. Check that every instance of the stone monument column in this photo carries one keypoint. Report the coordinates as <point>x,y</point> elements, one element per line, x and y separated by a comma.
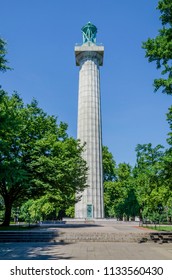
<point>89,57</point>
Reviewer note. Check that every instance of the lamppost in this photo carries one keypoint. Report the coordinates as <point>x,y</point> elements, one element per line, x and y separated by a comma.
<point>17,215</point>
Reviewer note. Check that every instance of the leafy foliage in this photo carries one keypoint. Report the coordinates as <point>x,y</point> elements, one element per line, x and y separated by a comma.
<point>159,49</point>
<point>3,60</point>
<point>37,157</point>
<point>153,171</point>
<point>169,119</point>
<point>108,165</point>
<point>151,192</point>
<point>120,197</point>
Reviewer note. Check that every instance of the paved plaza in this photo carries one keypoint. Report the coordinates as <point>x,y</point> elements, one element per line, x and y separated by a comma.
<point>85,251</point>
<point>89,250</point>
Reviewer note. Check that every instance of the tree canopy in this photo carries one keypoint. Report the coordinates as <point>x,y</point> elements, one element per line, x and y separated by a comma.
<point>37,157</point>
<point>3,60</point>
<point>159,49</point>
<point>109,165</point>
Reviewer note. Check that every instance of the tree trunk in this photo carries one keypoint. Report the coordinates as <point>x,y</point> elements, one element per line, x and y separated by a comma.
<point>8,208</point>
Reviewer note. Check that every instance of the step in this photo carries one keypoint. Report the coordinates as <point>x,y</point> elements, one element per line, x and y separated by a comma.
<point>27,236</point>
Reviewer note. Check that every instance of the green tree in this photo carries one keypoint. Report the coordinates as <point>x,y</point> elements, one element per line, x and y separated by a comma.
<point>151,192</point>
<point>159,49</point>
<point>158,176</point>
<point>44,208</point>
<point>109,176</point>
<point>36,155</point>
<point>120,195</point>
<point>129,207</point>
<point>169,119</point>
<point>11,168</point>
<point>113,198</point>
<point>166,175</point>
<point>109,165</point>
<point>3,60</point>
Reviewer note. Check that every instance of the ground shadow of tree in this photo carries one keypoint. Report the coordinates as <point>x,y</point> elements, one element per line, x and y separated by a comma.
<point>33,251</point>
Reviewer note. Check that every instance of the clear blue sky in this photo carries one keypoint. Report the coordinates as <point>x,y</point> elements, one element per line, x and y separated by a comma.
<point>41,36</point>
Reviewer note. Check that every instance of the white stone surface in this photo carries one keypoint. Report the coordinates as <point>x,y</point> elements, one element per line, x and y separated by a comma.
<point>89,131</point>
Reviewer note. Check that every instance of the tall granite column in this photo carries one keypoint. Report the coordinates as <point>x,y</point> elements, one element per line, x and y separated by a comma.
<point>89,57</point>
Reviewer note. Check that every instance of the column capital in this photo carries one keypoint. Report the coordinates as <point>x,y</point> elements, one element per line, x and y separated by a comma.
<point>89,52</point>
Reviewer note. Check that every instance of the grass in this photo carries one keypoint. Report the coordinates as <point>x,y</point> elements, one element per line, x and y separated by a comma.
<point>160,227</point>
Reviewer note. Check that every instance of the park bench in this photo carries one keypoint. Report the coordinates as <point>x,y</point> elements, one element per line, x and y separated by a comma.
<point>163,237</point>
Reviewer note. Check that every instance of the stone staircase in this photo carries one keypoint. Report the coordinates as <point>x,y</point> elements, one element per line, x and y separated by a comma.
<point>27,236</point>
<point>67,237</point>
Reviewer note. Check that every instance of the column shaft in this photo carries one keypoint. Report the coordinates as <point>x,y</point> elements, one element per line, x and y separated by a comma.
<point>89,132</point>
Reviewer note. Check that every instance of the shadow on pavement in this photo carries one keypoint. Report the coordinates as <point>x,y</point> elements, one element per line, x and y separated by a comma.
<point>32,251</point>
